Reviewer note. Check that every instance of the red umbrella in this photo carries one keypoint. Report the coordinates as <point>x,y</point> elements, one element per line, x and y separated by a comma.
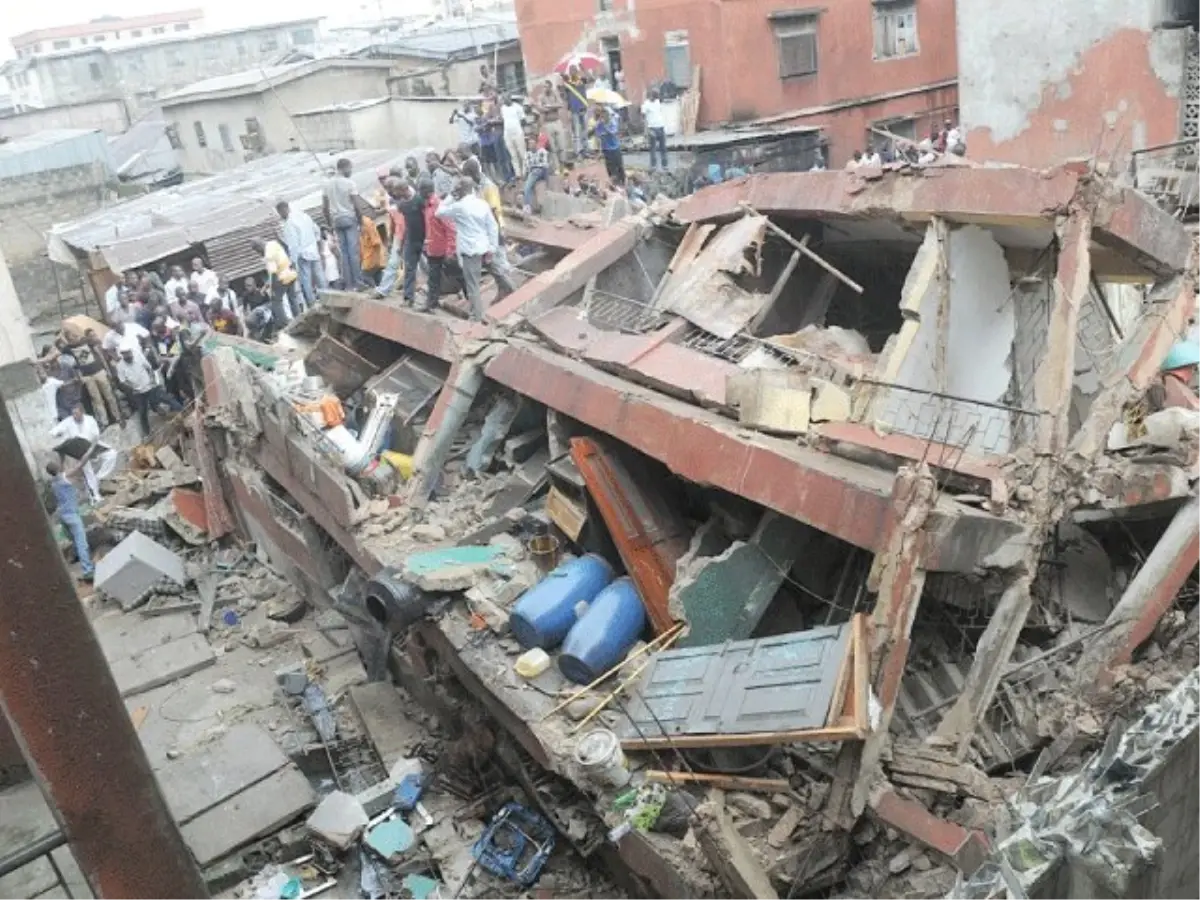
<point>587,62</point>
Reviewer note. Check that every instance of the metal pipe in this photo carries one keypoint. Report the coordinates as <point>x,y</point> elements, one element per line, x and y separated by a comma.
<point>60,697</point>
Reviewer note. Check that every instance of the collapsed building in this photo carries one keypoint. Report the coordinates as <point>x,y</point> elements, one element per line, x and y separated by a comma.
<point>880,457</point>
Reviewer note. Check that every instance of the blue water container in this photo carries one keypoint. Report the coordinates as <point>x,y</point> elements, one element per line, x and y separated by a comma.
<point>546,612</point>
<point>600,639</point>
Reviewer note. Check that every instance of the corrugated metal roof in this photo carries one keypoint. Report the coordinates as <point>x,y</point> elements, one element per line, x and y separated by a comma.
<point>56,149</point>
<point>144,149</point>
<point>146,229</point>
<point>442,42</point>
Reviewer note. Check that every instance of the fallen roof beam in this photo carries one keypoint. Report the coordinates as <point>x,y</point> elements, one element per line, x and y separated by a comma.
<point>847,499</point>
<point>558,234</point>
<point>1127,221</point>
<point>801,246</point>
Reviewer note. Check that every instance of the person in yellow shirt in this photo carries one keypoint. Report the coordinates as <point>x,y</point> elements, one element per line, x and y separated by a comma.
<point>281,279</point>
<point>371,250</point>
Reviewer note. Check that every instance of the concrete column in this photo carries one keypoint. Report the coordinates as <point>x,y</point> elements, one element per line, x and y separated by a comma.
<point>1151,593</point>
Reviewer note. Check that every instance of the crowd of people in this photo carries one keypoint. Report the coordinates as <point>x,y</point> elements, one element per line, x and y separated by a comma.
<point>947,139</point>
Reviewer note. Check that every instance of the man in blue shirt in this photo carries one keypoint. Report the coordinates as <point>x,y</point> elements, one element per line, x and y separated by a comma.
<point>68,514</point>
<point>607,132</point>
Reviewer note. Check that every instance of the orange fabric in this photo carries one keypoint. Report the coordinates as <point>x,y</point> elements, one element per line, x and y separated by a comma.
<point>370,246</point>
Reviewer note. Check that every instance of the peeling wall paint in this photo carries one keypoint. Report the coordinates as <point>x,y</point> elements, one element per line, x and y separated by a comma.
<point>1107,83</point>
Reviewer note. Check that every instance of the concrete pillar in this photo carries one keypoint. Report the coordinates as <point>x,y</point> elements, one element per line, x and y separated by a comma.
<point>1151,593</point>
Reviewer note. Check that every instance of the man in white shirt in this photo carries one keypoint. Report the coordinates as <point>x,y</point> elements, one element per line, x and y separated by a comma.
<point>175,282</point>
<point>478,237</point>
<point>124,336</point>
<point>137,377</point>
<point>204,279</point>
<point>872,159</point>
<point>656,130</point>
<point>302,238</point>
<point>513,114</point>
<point>80,425</point>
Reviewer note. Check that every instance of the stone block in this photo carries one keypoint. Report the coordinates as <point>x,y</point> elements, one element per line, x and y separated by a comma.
<point>136,568</point>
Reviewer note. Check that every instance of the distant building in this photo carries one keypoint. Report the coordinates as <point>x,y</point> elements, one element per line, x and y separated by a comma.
<point>140,73</point>
<point>222,122</point>
<point>845,66</point>
<point>445,59</point>
<point>107,30</point>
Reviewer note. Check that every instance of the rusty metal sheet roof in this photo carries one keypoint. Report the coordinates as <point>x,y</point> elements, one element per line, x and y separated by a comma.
<point>217,209</point>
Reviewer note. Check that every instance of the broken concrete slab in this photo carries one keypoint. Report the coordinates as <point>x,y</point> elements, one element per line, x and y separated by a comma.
<point>162,664</point>
<point>778,401</point>
<point>137,567</point>
<point>194,784</point>
<point>261,809</point>
<point>384,716</point>
<point>453,568</point>
<point>338,820</point>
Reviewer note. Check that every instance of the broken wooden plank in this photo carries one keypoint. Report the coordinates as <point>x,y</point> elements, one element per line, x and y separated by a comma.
<point>168,610</point>
<point>566,513</point>
<point>847,732</point>
<point>862,673</point>
<point>730,854</point>
<point>726,782</point>
<point>803,248</point>
<point>781,831</point>
<point>777,290</point>
<point>259,810</point>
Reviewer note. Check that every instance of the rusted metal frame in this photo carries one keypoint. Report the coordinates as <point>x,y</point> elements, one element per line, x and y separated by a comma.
<point>1053,384</point>
<point>61,699</point>
<point>802,247</point>
<point>897,578</point>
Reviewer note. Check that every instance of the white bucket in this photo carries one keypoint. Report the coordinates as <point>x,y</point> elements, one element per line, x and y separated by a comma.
<point>600,754</point>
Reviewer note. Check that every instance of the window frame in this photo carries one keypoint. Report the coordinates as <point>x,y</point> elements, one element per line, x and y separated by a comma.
<point>884,10</point>
<point>677,39</point>
<point>226,138</point>
<point>201,137</point>
<point>791,27</point>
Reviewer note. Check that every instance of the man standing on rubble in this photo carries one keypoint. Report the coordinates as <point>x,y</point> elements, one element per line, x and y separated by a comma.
<point>80,425</point>
<point>302,238</point>
<point>398,191</point>
<point>341,211</point>
<point>477,240</point>
<point>136,375</point>
<point>439,242</point>
<point>67,509</point>
<point>94,374</point>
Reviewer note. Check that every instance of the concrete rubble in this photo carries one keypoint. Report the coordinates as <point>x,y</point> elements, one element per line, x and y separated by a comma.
<point>897,578</point>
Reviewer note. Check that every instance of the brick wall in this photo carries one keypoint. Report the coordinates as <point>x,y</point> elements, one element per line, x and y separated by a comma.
<point>29,206</point>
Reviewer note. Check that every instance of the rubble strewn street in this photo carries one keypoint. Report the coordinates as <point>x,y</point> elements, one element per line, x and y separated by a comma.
<point>750,529</point>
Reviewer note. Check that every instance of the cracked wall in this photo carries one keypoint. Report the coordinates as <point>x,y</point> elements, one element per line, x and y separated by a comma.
<point>1109,81</point>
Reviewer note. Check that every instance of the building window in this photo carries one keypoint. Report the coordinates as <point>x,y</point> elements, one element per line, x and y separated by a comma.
<point>94,70</point>
<point>161,29</point>
<point>173,136</point>
<point>200,138</point>
<point>796,42</point>
<point>226,138</point>
<point>99,39</point>
<point>175,58</point>
<point>182,26</point>
<point>678,59</point>
<point>604,5</point>
<point>304,36</point>
<point>61,45</point>
<point>136,33</point>
<point>510,77</point>
<point>268,44</point>
<point>895,29</point>
<point>241,49</point>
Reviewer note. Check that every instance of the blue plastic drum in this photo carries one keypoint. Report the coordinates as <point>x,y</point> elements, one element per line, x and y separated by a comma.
<point>600,639</point>
<point>546,612</point>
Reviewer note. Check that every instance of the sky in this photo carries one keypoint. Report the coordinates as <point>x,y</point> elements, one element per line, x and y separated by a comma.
<point>20,17</point>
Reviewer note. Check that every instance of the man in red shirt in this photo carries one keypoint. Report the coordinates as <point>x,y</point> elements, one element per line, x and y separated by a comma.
<point>440,243</point>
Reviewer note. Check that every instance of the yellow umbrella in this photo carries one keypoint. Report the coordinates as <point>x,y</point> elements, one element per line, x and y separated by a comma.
<point>606,97</point>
